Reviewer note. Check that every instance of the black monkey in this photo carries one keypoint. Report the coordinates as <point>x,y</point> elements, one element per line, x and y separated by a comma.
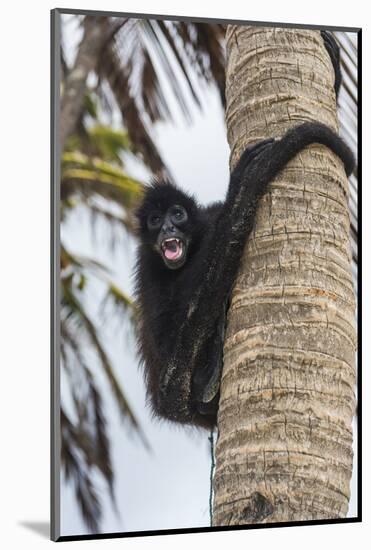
<point>188,258</point>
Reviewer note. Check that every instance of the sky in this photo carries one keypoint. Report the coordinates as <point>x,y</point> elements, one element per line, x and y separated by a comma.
<point>169,486</point>
<point>150,486</point>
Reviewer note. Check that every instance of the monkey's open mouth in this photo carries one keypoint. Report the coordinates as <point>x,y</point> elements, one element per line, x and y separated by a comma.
<point>172,249</point>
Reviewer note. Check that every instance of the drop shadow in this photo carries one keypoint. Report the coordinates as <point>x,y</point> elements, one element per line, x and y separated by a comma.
<point>42,528</point>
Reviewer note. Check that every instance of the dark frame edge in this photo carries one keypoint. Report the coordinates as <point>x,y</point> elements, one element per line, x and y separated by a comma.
<point>359,276</point>
<point>55,438</point>
<point>224,528</point>
<point>168,17</point>
<point>55,27</point>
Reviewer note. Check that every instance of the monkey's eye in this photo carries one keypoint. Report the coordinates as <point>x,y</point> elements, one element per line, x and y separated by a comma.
<point>179,214</point>
<point>154,221</point>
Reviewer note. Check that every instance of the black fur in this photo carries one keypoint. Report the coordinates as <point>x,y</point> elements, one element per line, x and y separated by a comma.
<point>333,50</point>
<point>182,311</point>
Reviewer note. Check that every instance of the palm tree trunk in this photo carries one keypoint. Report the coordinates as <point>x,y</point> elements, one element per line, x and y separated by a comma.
<point>284,451</point>
<point>94,39</point>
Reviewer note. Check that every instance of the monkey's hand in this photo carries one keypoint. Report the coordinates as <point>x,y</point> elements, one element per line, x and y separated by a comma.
<point>250,153</point>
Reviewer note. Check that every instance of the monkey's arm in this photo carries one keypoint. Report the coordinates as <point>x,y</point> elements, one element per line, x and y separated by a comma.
<point>257,167</point>
<point>237,217</point>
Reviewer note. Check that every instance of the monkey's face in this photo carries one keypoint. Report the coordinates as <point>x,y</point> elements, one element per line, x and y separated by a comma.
<point>168,232</point>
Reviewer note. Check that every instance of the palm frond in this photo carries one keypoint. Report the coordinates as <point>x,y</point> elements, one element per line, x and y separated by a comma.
<point>125,220</point>
<point>109,142</point>
<point>90,105</point>
<point>75,469</point>
<point>102,456</point>
<point>151,28</point>
<point>80,263</point>
<point>170,37</point>
<point>93,176</point>
<point>348,118</point>
<point>132,63</point>
<point>122,304</point>
<point>117,77</point>
<point>75,310</point>
<point>210,43</point>
<point>71,348</point>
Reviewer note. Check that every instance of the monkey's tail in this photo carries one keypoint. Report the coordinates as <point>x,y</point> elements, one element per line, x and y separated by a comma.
<point>333,50</point>
<point>296,139</point>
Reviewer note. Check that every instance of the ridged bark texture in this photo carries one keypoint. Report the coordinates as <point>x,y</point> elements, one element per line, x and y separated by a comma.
<point>284,451</point>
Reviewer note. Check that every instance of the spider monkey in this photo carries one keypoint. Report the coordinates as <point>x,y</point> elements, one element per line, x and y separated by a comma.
<point>187,261</point>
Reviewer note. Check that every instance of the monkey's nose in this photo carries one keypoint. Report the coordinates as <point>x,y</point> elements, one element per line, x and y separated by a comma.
<point>168,229</point>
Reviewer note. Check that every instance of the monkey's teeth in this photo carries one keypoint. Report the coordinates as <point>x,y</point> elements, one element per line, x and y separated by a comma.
<point>171,240</point>
<point>172,248</point>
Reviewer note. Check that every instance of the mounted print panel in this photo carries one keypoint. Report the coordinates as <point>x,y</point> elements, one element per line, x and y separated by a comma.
<point>204,285</point>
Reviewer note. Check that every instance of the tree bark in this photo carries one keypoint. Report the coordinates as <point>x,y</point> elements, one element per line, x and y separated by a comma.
<point>284,450</point>
<point>96,33</point>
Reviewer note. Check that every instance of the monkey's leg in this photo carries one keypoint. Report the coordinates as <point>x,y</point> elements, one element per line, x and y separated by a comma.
<point>206,381</point>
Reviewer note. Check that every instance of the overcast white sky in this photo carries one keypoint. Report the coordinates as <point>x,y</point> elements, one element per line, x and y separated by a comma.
<point>169,487</point>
